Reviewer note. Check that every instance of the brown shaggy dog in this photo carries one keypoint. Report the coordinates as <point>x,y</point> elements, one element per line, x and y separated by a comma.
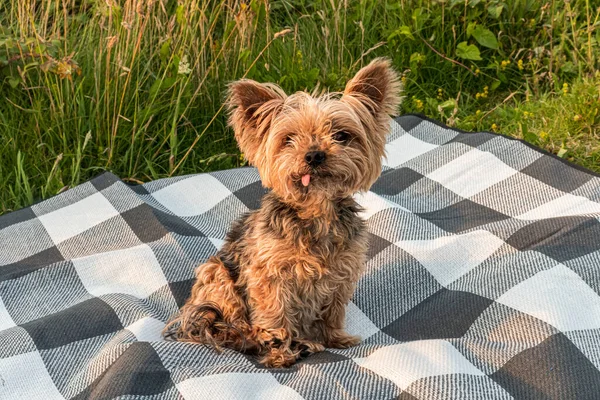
<point>279,286</point>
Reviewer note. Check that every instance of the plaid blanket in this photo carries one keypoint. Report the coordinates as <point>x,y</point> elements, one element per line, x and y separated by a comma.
<point>482,282</point>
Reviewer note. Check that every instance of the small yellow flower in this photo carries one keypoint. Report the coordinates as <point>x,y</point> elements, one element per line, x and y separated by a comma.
<point>299,58</point>
<point>504,64</point>
<point>440,93</point>
<point>543,135</point>
<point>565,88</point>
<point>520,65</point>
<point>483,94</point>
<point>577,118</point>
<point>477,113</point>
<point>403,79</point>
<point>418,103</point>
<point>494,127</point>
<point>477,72</point>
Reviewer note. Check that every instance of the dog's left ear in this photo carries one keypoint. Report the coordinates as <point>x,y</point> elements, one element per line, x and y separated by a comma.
<point>252,107</point>
<point>377,88</point>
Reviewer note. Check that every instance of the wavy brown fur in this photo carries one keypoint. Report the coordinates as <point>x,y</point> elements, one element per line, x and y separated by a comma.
<point>281,282</point>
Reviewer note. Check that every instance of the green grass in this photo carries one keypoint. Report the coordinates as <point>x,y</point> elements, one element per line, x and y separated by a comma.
<point>136,87</point>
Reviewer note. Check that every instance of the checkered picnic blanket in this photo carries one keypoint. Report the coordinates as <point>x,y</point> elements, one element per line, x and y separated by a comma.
<point>482,282</point>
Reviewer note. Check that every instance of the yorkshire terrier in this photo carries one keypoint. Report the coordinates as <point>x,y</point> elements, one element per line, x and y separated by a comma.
<point>279,286</point>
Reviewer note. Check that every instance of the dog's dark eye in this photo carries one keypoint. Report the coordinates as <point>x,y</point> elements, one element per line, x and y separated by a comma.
<point>289,140</point>
<point>341,137</point>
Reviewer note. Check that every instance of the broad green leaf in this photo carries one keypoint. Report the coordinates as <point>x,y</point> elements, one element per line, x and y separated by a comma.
<point>419,15</point>
<point>416,59</point>
<point>528,136</point>
<point>432,103</point>
<point>244,54</point>
<point>561,153</point>
<point>259,9</point>
<point>495,11</point>
<point>502,77</point>
<point>568,67</point>
<point>313,74</point>
<point>180,15</point>
<point>470,28</point>
<point>451,103</point>
<point>174,66</point>
<point>485,37</point>
<point>405,30</point>
<point>165,50</point>
<point>40,49</point>
<point>13,82</point>
<point>468,51</point>
<point>495,84</point>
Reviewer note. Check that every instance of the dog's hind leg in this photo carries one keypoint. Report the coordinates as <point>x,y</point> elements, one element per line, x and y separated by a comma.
<point>216,312</point>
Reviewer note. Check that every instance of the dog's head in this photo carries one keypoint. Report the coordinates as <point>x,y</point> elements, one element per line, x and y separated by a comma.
<point>327,146</point>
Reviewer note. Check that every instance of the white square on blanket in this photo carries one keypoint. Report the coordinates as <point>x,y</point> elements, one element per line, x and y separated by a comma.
<point>76,218</point>
<point>147,329</point>
<point>405,148</point>
<point>448,258</point>
<point>472,172</point>
<point>557,296</point>
<point>357,323</point>
<point>564,206</point>
<point>233,386</point>
<point>192,196</point>
<point>17,375</point>
<point>373,203</point>
<point>134,271</point>
<point>406,363</point>
<point>6,320</point>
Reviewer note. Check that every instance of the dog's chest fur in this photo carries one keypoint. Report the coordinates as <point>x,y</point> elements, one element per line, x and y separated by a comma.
<point>305,261</point>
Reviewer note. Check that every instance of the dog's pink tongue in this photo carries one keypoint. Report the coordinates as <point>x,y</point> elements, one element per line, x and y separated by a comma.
<point>306,179</point>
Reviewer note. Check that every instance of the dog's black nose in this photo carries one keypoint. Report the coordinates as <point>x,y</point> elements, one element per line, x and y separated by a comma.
<point>314,158</point>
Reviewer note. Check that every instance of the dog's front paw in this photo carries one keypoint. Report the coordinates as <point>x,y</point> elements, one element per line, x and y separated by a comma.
<point>338,339</point>
<point>278,357</point>
<point>304,348</point>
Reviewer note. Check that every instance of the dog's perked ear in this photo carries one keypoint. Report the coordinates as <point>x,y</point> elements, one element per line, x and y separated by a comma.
<point>377,88</point>
<point>252,107</point>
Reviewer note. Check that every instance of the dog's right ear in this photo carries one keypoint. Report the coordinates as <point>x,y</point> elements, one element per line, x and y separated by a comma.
<point>252,107</point>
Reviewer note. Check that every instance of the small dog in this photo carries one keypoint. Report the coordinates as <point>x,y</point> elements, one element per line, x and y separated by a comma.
<point>279,286</point>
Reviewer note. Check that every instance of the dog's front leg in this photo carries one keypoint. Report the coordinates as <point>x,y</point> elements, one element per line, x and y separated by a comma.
<point>334,319</point>
<point>271,322</point>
